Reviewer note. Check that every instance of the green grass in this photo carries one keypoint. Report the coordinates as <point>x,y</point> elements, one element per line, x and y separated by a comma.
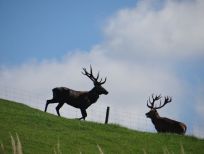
<point>42,133</point>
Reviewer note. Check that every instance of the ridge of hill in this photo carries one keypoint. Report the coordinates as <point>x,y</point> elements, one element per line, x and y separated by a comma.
<point>42,133</point>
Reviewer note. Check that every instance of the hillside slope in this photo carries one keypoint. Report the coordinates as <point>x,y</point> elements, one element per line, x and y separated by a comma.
<point>40,133</point>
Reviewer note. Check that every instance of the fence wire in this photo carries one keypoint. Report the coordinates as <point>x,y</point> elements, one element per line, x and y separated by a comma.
<point>96,113</point>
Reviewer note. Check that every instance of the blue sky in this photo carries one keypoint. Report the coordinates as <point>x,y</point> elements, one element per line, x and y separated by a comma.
<point>49,29</point>
<point>143,47</point>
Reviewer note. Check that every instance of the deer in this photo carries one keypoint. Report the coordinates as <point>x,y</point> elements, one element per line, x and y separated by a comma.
<point>163,124</point>
<point>78,99</point>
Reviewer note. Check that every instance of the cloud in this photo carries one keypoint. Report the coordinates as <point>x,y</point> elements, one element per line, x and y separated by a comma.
<point>173,31</point>
<point>141,53</point>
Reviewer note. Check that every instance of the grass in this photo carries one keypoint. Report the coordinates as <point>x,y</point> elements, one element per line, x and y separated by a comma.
<point>43,133</point>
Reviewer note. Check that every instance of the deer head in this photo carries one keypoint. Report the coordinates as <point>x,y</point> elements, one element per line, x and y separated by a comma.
<point>97,84</point>
<point>153,109</point>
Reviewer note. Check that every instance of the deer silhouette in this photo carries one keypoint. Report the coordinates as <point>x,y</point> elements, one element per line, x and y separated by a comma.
<point>78,99</point>
<point>163,124</point>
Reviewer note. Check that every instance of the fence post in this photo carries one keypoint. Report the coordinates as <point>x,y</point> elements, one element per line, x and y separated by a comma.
<point>107,115</point>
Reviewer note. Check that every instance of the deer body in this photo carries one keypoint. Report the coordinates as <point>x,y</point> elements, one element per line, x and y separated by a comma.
<point>163,124</point>
<point>166,125</point>
<point>78,99</point>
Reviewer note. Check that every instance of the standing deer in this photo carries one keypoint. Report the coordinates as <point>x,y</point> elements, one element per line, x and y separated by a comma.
<point>163,124</point>
<point>78,99</point>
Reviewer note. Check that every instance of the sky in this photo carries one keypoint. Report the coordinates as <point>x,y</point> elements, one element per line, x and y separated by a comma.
<point>143,47</point>
<point>49,29</point>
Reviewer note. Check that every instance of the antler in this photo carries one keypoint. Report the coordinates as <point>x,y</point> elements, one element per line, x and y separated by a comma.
<point>90,75</point>
<point>167,100</point>
<point>151,106</point>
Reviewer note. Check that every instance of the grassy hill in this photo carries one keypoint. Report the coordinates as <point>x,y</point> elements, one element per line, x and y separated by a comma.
<point>42,133</point>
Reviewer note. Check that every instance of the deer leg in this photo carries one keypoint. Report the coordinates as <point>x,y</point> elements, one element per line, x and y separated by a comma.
<point>58,107</point>
<point>84,114</point>
<point>49,102</point>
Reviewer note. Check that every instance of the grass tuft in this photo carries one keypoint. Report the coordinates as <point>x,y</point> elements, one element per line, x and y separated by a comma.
<point>16,145</point>
<point>2,149</point>
<point>182,149</point>
<point>100,149</point>
<point>57,148</point>
<point>144,151</point>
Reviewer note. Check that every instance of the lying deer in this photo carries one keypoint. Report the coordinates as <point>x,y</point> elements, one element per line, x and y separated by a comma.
<point>163,124</point>
<point>78,99</point>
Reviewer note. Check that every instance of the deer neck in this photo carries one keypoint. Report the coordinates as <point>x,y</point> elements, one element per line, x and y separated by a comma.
<point>93,95</point>
<point>155,118</point>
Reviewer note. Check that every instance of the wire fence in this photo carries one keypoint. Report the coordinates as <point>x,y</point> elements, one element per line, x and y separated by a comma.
<point>96,113</point>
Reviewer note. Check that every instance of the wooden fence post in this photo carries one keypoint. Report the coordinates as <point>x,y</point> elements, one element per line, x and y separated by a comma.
<point>107,115</point>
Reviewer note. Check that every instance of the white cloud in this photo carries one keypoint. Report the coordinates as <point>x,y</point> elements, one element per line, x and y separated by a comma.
<point>174,31</point>
<point>142,49</point>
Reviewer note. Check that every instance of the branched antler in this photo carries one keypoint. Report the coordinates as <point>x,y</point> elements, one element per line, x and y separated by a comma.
<point>94,79</point>
<point>166,100</point>
<point>151,106</point>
